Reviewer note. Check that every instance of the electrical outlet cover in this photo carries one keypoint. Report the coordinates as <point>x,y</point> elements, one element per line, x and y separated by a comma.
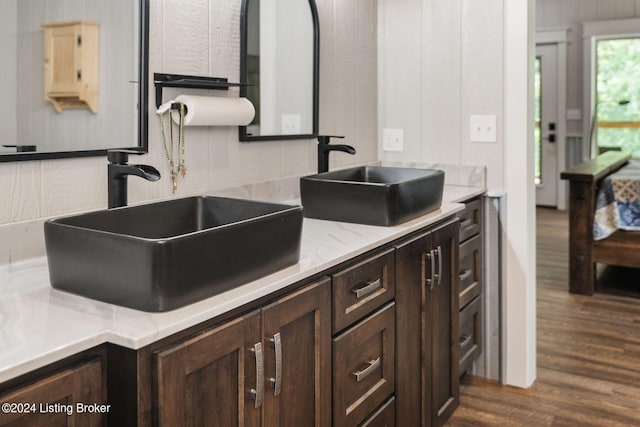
<point>393,140</point>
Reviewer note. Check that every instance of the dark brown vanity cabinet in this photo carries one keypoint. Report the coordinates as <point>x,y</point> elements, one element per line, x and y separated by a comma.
<point>53,400</point>
<point>427,387</point>
<point>470,288</point>
<point>271,367</point>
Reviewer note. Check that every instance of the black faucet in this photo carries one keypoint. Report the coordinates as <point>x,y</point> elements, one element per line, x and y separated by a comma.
<point>324,148</point>
<point>119,170</point>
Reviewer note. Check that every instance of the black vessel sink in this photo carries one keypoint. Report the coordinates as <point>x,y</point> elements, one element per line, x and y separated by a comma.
<point>164,255</point>
<point>373,195</point>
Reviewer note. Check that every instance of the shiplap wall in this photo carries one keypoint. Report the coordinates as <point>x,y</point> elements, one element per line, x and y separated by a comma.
<point>440,62</point>
<point>202,37</point>
<point>562,14</point>
<point>115,123</point>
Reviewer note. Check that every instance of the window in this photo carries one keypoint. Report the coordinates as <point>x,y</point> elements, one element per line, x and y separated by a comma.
<point>617,109</point>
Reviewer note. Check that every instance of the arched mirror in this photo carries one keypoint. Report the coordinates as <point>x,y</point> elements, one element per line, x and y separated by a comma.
<point>43,114</point>
<point>279,59</point>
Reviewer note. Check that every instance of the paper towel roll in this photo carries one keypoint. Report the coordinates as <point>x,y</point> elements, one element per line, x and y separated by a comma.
<point>215,111</point>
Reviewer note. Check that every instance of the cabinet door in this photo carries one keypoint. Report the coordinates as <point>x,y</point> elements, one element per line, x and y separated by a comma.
<point>207,380</point>
<point>53,400</point>
<point>297,337</point>
<point>411,406</point>
<point>441,333</point>
<point>62,62</point>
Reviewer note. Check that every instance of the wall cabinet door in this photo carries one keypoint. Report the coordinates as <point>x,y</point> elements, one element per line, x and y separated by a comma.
<point>52,401</point>
<point>297,337</point>
<point>426,295</point>
<point>212,379</point>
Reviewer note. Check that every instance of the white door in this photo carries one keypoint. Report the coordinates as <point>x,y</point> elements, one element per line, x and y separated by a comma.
<point>546,146</point>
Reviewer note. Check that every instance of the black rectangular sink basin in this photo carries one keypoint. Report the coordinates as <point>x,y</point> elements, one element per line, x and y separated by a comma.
<point>164,255</point>
<point>373,195</point>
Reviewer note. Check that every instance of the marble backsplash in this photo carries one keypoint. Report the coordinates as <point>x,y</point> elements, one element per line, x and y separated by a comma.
<point>466,175</point>
<point>24,240</point>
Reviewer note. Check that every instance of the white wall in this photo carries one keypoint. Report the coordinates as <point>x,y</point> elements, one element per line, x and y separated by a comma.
<point>441,61</point>
<point>202,37</point>
<point>563,14</point>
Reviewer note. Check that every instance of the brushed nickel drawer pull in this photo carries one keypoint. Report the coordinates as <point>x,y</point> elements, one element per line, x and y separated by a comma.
<point>466,223</point>
<point>431,280</point>
<point>465,274</point>
<point>464,340</point>
<point>439,265</point>
<point>370,287</point>
<point>277,381</point>
<point>373,365</point>
<point>257,392</point>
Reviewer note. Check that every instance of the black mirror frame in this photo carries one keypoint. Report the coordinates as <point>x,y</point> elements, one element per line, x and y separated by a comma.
<point>316,76</point>
<point>143,105</point>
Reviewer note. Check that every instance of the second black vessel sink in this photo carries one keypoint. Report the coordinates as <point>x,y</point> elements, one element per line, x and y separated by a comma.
<point>164,255</point>
<point>374,195</point>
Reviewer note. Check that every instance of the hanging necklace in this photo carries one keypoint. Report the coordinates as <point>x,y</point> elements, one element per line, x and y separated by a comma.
<point>177,168</point>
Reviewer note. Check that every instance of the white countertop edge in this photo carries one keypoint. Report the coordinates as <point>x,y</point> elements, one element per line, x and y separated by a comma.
<point>102,322</point>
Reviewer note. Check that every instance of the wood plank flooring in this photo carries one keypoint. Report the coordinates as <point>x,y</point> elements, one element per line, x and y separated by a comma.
<point>588,351</point>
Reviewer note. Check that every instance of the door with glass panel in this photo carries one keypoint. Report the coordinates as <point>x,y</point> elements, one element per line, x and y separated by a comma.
<point>546,122</point>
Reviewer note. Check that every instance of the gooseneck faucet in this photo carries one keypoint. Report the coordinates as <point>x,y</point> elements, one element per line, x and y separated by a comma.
<point>324,148</point>
<point>119,170</point>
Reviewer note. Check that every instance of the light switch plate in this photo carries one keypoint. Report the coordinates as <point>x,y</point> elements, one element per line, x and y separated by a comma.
<point>482,129</point>
<point>393,140</point>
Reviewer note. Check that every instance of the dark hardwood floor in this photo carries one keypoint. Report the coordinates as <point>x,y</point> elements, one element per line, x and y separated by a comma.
<point>588,351</point>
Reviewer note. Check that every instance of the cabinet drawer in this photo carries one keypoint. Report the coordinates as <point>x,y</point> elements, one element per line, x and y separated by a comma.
<point>364,367</point>
<point>470,219</point>
<point>360,289</point>
<point>385,416</point>
<point>470,334</point>
<point>470,270</point>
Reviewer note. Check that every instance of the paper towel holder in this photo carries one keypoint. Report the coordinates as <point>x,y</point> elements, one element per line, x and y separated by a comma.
<point>162,80</point>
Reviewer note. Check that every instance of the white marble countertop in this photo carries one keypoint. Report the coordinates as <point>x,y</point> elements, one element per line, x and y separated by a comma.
<point>40,325</point>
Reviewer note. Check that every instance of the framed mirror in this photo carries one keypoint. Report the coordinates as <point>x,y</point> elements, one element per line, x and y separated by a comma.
<point>33,127</point>
<point>279,59</point>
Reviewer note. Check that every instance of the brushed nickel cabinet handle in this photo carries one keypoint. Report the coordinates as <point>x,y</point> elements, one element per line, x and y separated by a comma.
<point>373,365</point>
<point>277,381</point>
<point>370,287</point>
<point>439,265</point>
<point>466,223</point>
<point>464,340</point>
<point>465,274</point>
<point>258,392</point>
<point>431,257</point>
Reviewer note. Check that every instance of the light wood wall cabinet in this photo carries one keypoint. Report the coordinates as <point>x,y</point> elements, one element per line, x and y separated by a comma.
<point>71,53</point>
<point>427,389</point>
<point>53,400</point>
<point>470,288</point>
<point>271,367</point>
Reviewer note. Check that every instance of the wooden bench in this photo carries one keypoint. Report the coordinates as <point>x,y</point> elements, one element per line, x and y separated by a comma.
<point>621,248</point>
